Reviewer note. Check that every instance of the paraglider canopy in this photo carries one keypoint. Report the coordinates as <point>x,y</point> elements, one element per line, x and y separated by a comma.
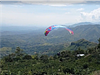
<point>56,26</point>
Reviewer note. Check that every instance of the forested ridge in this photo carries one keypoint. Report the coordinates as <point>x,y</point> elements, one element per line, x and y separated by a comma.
<point>35,41</point>
<point>49,49</point>
<point>68,62</point>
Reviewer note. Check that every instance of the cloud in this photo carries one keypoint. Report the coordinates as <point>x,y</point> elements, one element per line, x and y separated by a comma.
<point>42,15</point>
<point>51,2</point>
<point>42,1</point>
<point>93,16</point>
<point>57,5</point>
<point>80,9</point>
<point>37,15</point>
<point>0,14</point>
<point>67,12</point>
<point>0,5</point>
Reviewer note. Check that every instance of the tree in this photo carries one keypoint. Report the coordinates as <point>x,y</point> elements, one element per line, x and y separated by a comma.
<point>36,56</point>
<point>18,54</point>
<point>27,57</point>
<point>18,51</point>
<point>44,58</point>
<point>99,43</point>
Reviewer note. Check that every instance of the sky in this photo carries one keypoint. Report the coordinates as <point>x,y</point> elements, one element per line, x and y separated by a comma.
<point>23,13</point>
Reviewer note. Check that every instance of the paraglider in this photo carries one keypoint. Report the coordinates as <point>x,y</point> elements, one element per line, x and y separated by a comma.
<point>56,26</point>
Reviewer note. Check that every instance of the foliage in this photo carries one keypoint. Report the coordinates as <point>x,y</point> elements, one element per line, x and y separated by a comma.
<point>62,63</point>
<point>82,43</point>
<point>34,41</point>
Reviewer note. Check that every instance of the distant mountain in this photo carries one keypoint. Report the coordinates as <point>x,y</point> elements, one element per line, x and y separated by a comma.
<point>15,30</point>
<point>36,41</point>
<point>83,23</point>
<point>19,28</point>
<point>88,32</point>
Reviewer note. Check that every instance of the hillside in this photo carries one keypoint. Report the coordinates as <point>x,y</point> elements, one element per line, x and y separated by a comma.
<point>89,32</point>
<point>33,53</point>
<point>82,43</point>
<point>62,63</point>
<point>81,23</point>
<point>50,49</point>
<point>35,41</point>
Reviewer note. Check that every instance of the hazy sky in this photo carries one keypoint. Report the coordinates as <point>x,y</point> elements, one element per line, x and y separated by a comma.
<point>46,14</point>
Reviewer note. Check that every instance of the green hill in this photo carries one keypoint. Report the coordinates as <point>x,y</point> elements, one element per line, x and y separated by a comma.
<point>88,32</point>
<point>35,41</point>
<point>50,49</point>
<point>82,43</point>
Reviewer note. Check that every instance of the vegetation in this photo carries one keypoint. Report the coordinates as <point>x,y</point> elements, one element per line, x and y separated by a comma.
<point>82,43</point>
<point>62,63</point>
<point>33,40</point>
<point>31,53</point>
<point>48,49</point>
